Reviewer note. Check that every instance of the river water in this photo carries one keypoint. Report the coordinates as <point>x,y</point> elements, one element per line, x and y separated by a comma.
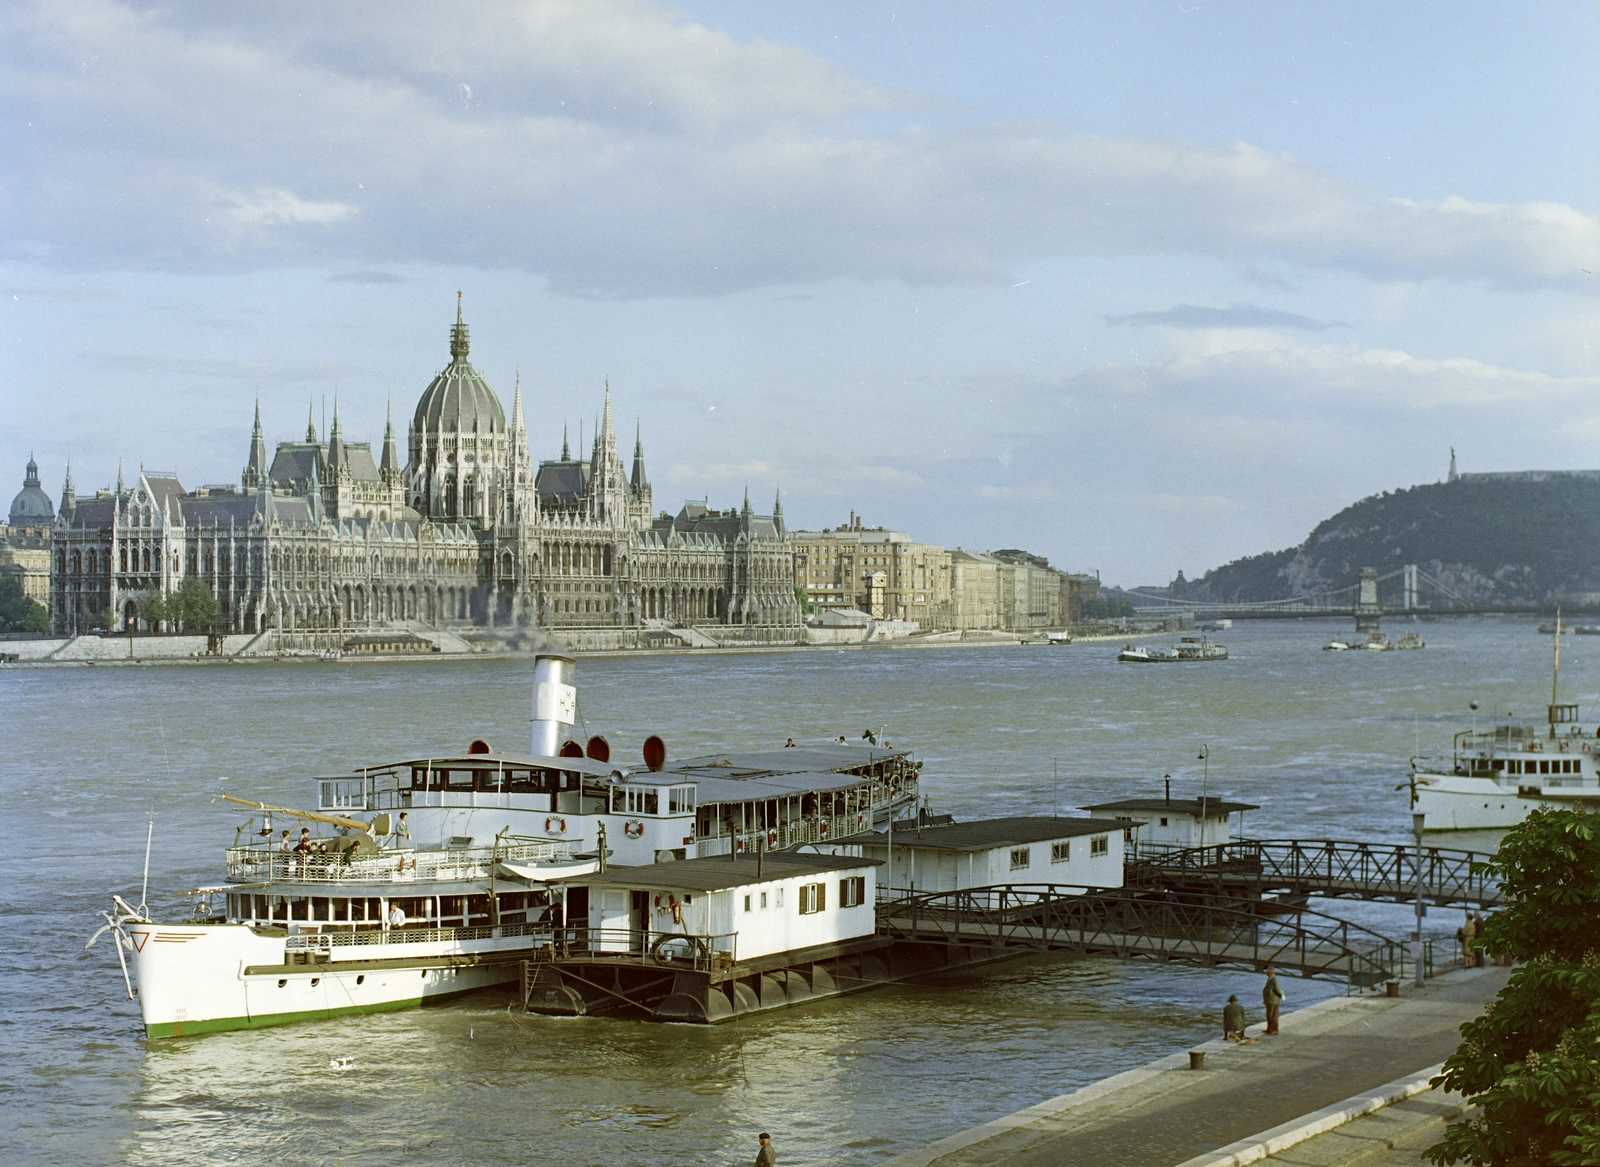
<point>1318,739</point>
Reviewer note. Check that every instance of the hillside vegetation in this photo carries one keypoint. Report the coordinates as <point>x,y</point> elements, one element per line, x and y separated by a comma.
<point>1490,541</point>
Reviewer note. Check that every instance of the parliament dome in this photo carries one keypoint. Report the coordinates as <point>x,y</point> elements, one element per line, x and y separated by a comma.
<point>459,400</point>
<point>32,506</point>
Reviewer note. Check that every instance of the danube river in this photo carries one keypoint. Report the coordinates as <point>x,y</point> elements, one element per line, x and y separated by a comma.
<point>1318,739</point>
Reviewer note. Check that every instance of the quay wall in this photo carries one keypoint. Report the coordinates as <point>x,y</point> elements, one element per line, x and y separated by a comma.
<point>465,644</point>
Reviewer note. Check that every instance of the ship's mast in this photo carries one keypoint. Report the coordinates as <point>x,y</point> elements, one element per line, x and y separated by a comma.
<point>1555,675</point>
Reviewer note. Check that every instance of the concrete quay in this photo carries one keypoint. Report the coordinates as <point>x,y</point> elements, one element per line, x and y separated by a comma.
<point>463,644</point>
<point>1344,1082</point>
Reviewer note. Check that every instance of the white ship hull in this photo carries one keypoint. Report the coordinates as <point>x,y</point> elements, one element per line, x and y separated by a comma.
<point>1452,802</point>
<point>200,978</point>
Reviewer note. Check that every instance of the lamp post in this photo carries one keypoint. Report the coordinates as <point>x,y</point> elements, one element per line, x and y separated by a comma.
<point>1417,818</point>
<point>1205,779</point>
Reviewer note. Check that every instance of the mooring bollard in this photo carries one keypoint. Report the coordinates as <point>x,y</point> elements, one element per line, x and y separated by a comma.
<point>1391,988</point>
<point>1197,1059</point>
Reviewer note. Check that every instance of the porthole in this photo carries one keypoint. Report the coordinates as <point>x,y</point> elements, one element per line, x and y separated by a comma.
<point>282,981</point>
<point>424,974</point>
<point>315,981</point>
<point>361,979</point>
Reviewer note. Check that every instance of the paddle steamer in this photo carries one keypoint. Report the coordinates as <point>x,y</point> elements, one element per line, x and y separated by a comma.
<point>430,877</point>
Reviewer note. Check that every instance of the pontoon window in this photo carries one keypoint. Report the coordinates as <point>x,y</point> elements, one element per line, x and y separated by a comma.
<point>680,800</point>
<point>1019,858</point>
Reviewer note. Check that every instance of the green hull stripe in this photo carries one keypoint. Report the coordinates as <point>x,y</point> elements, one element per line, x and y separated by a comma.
<point>217,1024</point>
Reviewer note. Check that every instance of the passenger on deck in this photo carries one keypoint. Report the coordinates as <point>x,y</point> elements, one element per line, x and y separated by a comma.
<point>402,830</point>
<point>1233,1019</point>
<point>397,916</point>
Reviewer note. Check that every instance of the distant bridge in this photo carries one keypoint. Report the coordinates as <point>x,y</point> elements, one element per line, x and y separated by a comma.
<point>1411,591</point>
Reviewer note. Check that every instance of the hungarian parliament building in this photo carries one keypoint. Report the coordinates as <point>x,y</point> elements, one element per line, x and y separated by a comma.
<point>323,537</point>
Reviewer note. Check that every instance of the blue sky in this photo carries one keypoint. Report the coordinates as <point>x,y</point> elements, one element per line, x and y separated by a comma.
<point>1141,288</point>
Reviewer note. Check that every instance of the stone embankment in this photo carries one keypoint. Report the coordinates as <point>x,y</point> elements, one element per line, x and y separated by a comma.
<point>1316,1094</point>
<point>415,641</point>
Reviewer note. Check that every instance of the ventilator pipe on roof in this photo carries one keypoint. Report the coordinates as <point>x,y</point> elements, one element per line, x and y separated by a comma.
<point>555,702</point>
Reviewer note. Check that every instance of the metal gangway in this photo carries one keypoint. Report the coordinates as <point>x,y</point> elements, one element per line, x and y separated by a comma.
<point>1125,922</point>
<point>1255,868</point>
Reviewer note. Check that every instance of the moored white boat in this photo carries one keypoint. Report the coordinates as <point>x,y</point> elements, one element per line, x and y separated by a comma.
<point>446,874</point>
<point>1497,777</point>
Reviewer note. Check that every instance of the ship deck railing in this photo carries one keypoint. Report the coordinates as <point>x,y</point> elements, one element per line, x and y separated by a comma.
<point>812,829</point>
<point>538,942</point>
<point>264,863</point>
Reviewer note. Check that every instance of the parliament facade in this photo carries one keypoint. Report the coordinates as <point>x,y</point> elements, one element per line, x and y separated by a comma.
<point>324,537</point>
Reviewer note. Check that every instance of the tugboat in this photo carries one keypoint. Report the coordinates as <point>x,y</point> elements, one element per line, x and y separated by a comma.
<point>1189,648</point>
<point>445,875</point>
<point>1375,642</point>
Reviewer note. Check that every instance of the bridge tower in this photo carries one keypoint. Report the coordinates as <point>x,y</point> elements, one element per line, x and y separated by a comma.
<point>1367,610</point>
<point>1410,603</point>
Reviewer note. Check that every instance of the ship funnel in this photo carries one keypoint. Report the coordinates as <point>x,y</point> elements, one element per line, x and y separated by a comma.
<point>555,702</point>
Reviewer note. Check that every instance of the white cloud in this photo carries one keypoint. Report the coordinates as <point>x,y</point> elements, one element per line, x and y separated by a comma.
<point>273,208</point>
<point>623,151</point>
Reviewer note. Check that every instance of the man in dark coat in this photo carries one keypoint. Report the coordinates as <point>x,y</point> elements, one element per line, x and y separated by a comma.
<point>1233,1019</point>
<point>1272,998</point>
<point>766,1157</point>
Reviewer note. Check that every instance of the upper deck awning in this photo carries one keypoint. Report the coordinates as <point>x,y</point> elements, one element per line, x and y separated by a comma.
<point>586,766</point>
<point>825,757</point>
<point>709,789</point>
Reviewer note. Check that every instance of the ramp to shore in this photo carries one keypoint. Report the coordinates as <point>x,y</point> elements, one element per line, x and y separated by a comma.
<point>1166,1114</point>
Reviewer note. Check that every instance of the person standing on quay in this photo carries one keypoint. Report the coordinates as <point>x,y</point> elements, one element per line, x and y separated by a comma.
<point>1465,935</point>
<point>1272,998</point>
<point>766,1156</point>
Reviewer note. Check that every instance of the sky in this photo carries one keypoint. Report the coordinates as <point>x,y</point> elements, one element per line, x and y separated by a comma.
<point>1142,288</point>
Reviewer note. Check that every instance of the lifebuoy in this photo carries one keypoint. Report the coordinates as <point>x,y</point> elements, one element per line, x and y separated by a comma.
<point>861,821</point>
<point>772,839</point>
<point>822,828</point>
<point>555,826</point>
<point>633,828</point>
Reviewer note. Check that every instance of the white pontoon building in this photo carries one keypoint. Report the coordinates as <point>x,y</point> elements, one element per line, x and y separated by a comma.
<point>1070,852</point>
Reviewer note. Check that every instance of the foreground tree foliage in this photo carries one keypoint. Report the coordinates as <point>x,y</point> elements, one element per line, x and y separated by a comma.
<point>1531,1063</point>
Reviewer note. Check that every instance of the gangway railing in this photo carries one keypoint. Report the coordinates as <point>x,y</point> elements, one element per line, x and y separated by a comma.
<point>1126,923</point>
<point>1324,867</point>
